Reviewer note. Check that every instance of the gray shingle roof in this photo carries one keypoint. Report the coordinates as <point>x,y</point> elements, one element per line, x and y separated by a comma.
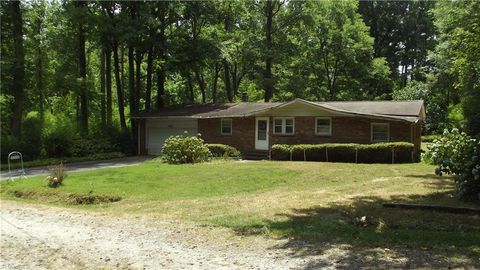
<point>399,110</point>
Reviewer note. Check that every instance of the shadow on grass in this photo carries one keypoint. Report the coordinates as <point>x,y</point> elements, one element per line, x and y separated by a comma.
<point>362,233</point>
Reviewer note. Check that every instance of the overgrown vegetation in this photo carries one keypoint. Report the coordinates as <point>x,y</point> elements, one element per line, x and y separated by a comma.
<point>398,152</point>
<point>457,153</point>
<point>56,175</point>
<point>185,149</point>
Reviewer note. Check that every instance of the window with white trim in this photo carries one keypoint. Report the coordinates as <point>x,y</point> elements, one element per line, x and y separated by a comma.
<point>380,132</point>
<point>323,126</point>
<point>226,126</point>
<point>284,125</point>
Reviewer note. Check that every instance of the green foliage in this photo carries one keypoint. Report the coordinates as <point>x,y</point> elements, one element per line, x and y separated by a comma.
<point>88,147</point>
<point>457,153</point>
<point>430,138</point>
<point>456,56</point>
<point>223,150</point>
<point>345,152</point>
<point>56,175</point>
<point>451,152</point>
<point>468,182</point>
<point>9,144</point>
<point>57,144</point>
<point>418,90</point>
<point>31,136</point>
<point>185,149</point>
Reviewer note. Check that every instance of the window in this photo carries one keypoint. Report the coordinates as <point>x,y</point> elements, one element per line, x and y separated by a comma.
<point>283,125</point>
<point>380,132</point>
<point>323,126</point>
<point>226,126</point>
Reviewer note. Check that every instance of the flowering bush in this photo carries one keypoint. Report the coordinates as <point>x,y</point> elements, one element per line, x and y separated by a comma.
<point>184,149</point>
<point>451,152</point>
<point>468,183</point>
<point>458,154</point>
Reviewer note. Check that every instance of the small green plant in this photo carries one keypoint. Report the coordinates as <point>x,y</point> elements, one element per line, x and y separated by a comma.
<point>57,175</point>
<point>185,149</point>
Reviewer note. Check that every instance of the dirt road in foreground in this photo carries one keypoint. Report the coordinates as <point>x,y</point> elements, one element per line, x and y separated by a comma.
<point>41,237</point>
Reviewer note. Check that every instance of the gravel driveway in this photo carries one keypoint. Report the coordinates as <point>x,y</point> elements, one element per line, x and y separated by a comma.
<point>55,238</point>
<point>44,237</point>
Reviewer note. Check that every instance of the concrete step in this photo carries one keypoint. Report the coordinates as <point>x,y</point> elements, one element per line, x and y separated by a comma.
<point>256,155</point>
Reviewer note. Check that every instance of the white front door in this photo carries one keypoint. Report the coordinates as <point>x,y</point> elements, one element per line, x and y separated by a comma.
<point>261,133</point>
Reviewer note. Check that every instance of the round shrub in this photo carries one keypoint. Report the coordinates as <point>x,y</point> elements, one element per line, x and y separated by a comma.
<point>223,150</point>
<point>451,152</point>
<point>183,149</point>
<point>57,144</point>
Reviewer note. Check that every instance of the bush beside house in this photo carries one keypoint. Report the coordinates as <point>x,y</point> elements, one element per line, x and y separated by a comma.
<point>398,152</point>
<point>223,150</point>
<point>185,149</point>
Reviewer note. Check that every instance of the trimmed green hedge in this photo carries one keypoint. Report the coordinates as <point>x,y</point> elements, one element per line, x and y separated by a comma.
<point>345,152</point>
<point>223,150</point>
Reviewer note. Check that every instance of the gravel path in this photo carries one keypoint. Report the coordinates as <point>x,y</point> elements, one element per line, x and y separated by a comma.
<point>55,238</point>
<point>44,237</point>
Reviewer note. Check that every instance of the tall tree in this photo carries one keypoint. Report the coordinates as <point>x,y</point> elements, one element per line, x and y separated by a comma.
<point>457,57</point>
<point>82,66</point>
<point>18,69</point>
<point>270,10</point>
<point>403,33</point>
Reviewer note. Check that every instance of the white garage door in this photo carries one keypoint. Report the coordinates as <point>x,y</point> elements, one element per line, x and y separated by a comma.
<point>158,130</point>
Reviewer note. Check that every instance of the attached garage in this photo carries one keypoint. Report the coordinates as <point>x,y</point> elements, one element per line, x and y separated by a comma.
<point>158,130</point>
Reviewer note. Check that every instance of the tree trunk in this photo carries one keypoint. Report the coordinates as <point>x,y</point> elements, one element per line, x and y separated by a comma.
<point>120,101</point>
<point>131,82</point>
<point>201,84</point>
<point>138,78</point>
<point>228,85</point>
<point>102,88</point>
<point>267,75</point>
<point>108,84</point>
<point>41,94</point>
<point>160,88</point>
<point>18,70</point>
<point>191,94</point>
<point>215,82</point>
<point>148,89</point>
<point>82,72</point>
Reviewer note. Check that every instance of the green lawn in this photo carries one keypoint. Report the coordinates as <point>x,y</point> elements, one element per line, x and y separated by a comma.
<point>316,202</point>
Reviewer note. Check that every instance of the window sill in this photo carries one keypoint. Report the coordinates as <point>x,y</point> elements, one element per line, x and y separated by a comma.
<point>283,135</point>
<point>226,134</point>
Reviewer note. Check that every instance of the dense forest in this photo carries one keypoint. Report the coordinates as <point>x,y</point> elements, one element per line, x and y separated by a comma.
<point>72,73</point>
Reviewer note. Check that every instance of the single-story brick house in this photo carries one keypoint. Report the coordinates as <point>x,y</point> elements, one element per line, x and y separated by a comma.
<point>253,126</point>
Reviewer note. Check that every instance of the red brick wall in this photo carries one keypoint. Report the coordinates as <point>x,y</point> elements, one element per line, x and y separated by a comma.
<point>243,133</point>
<point>344,130</point>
